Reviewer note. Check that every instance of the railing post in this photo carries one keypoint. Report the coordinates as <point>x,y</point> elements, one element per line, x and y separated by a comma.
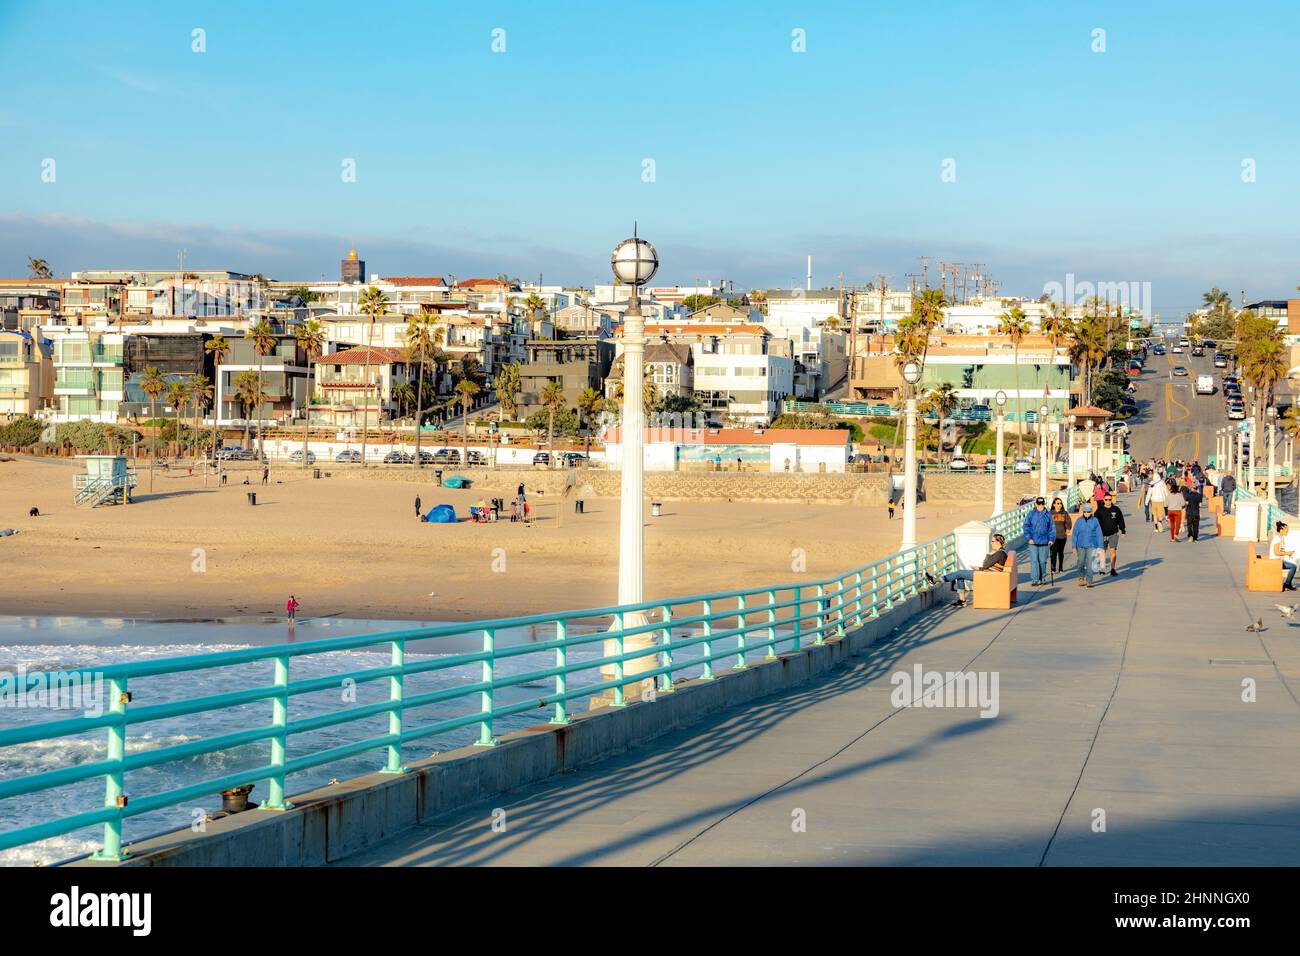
<point>821,615</point>
<point>857,598</point>
<point>706,609</point>
<point>561,679</point>
<point>618,664</point>
<point>114,795</point>
<point>889,584</point>
<point>279,743</point>
<point>798,611</point>
<point>875,590</point>
<point>740,637</point>
<point>839,607</point>
<point>395,683</point>
<point>485,738</point>
<point>771,622</point>
<point>666,655</point>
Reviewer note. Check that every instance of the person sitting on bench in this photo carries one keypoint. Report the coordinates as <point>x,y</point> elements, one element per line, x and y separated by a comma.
<point>995,560</point>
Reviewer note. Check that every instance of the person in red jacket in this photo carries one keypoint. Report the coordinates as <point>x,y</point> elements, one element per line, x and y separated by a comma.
<point>291,607</point>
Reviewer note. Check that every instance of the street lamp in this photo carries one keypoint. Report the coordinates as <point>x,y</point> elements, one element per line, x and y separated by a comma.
<point>1000,399</point>
<point>634,262</point>
<point>1272,442</point>
<point>1088,459</point>
<point>911,375</point>
<point>1042,450</point>
<point>1070,481</point>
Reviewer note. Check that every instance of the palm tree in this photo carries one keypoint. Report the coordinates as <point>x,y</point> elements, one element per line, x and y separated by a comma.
<point>466,389</point>
<point>219,349</point>
<point>534,304</point>
<point>201,392</point>
<point>508,383</point>
<point>1013,324</point>
<point>310,336</point>
<point>264,341</point>
<point>552,401</point>
<point>590,403</point>
<point>1217,300</point>
<point>373,304</point>
<point>248,389</point>
<point>39,268</point>
<point>178,394</point>
<point>153,385</point>
<point>940,400</point>
<point>420,345</point>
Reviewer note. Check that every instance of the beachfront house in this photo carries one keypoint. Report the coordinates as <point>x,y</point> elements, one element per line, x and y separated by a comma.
<point>360,384</point>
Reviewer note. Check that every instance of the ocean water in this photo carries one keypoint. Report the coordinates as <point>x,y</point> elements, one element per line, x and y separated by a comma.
<point>46,644</point>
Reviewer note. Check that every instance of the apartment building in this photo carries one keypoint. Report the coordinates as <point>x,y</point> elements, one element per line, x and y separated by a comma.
<point>742,374</point>
<point>26,373</point>
<point>578,364</point>
<point>359,385</point>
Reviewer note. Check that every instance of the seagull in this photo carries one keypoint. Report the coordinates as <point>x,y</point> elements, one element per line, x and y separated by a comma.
<point>1256,627</point>
<point>1287,610</point>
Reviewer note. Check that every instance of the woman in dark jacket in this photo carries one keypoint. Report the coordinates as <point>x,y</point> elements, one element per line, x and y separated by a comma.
<point>1062,521</point>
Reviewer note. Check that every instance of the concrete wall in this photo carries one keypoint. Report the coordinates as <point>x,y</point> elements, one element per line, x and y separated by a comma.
<point>328,824</point>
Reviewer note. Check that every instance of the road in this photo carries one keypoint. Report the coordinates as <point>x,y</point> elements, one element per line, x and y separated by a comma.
<point>1172,420</point>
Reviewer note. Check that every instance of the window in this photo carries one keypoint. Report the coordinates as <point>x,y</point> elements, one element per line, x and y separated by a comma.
<point>11,352</point>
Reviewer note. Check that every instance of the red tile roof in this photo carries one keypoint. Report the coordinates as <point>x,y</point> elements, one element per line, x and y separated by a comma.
<point>357,356</point>
<point>740,436</point>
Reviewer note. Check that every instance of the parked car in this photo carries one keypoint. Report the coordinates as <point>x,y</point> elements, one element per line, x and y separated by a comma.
<point>228,452</point>
<point>1237,412</point>
<point>248,454</point>
<point>297,456</point>
<point>426,457</point>
<point>1023,465</point>
<point>573,458</point>
<point>958,463</point>
<point>542,458</point>
<point>397,457</point>
<point>446,456</point>
<point>477,458</point>
<point>1121,427</point>
<point>348,456</point>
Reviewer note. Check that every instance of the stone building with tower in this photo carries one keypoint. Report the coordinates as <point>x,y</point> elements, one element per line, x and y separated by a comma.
<point>352,269</point>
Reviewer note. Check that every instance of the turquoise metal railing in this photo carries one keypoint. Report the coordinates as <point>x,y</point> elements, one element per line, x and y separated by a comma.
<point>694,634</point>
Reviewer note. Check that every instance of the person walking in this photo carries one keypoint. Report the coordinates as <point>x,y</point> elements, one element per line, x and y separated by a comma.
<point>266,473</point>
<point>1144,495</point>
<point>1192,498</point>
<point>1159,499</point>
<point>1087,539</point>
<point>1086,487</point>
<point>1277,549</point>
<point>1227,488</point>
<point>417,506</point>
<point>1039,531</point>
<point>1174,505</point>
<point>1111,520</point>
<point>1061,522</point>
<point>1099,491</point>
<point>291,607</point>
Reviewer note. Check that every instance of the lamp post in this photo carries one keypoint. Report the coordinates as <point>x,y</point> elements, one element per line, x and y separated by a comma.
<point>1042,450</point>
<point>1089,463</point>
<point>634,262</point>
<point>1070,480</point>
<point>1241,455</point>
<point>1271,414</point>
<point>911,375</point>
<point>1000,399</point>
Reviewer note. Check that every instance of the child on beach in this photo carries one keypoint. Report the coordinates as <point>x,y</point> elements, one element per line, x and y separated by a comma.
<point>291,607</point>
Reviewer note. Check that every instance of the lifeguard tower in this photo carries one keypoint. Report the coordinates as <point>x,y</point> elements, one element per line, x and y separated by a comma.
<point>107,481</point>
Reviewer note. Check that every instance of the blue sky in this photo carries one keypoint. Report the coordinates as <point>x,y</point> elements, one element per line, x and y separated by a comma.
<point>1117,166</point>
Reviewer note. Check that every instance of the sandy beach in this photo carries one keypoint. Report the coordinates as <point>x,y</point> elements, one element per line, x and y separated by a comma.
<point>352,547</point>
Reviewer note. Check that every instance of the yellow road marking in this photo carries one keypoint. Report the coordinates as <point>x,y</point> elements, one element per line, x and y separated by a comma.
<point>1196,447</point>
<point>1171,403</point>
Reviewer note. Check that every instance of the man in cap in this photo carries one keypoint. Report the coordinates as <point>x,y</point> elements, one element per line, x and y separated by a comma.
<point>1040,532</point>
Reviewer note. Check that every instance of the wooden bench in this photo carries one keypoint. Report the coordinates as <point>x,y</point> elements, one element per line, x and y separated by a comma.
<point>997,590</point>
<point>1263,574</point>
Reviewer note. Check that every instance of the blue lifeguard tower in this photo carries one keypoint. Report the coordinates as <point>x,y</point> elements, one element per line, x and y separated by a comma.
<point>107,481</point>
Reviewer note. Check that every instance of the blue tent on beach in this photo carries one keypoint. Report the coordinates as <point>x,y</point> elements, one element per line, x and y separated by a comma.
<point>456,481</point>
<point>441,514</point>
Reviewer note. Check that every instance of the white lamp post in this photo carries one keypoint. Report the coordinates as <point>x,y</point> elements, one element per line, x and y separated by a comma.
<point>1070,481</point>
<point>1042,450</point>
<point>634,263</point>
<point>1089,462</point>
<point>911,375</point>
<point>1271,413</point>
<point>1000,399</point>
<point>1241,459</point>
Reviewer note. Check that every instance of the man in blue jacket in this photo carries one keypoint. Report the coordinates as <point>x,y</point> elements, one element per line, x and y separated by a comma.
<point>1087,539</point>
<point>1040,532</point>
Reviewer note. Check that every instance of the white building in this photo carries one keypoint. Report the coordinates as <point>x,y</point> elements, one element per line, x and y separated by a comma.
<point>764,450</point>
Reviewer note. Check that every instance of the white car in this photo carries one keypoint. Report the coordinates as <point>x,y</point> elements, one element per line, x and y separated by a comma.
<point>1023,466</point>
<point>1121,427</point>
<point>1177,350</point>
<point>958,463</point>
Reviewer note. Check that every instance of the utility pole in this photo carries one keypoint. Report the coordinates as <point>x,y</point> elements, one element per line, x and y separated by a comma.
<point>853,336</point>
